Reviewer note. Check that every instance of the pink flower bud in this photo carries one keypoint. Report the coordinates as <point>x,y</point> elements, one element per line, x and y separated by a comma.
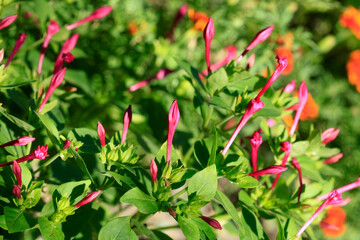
<point>159,75</point>
<point>66,144</point>
<point>296,164</point>
<point>180,15</point>
<point>251,62</point>
<point>281,67</point>
<point>329,135</point>
<point>17,172</point>
<point>290,87</point>
<point>271,170</point>
<point>286,147</point>
<point>1,55</point>
<point>255,142</point>
<point>18,44</point>
<point>259,38</point>
<point>254,105</point>
<point>209,33</point>
<point>54,83</point>
<point>333,159</point>
<point>101,133</point>
<point>231,54</point>
<point>153,170</point>
<point>88,199</point>
<point>303,95</point>
<point>7,21</point>
<point>18,142</point>
<point>16,191</point>
<point>68,57</point>
<point>333,198</point>
<point>127,120</point>
<point>68,45</point>
<point>342,189</point>
<point>40,153</point>
<point>173,118</point>
<point>212,222</point>
<point>97,14</point>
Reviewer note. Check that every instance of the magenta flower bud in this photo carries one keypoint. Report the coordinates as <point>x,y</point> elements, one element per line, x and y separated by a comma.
<point>281,67</point>
<point>40,153</point>
<point>270,122</point>
<point>329,135</point>
<point>68,57</point>
<point>333,198</point>
<point>174,117</point>
<point>212,222</point>
<point>333,159</point>
<point>153,170</point>
<point>101,133</point>
<point>97,14</point>
<point>55,82</point>
<point>303,95</point>
<point>17,172</point>
<point>88,199</point>
<point>342,189</point>
<point>66,144</point>
<point>254,105</point>
<point>16,191</point>
<point>208,34</point>
<point>296,164</point>
<point>159,75</point>
<point>290,87</point>
<point>7,21</point>
<point>52,29</point>
<point>1,55</point>
<point>18,44</point>
<point>127,120</point>
<point>259,38</point>
<point>18,142</point>
<point>231,54</point>
<point>68,45</point>
<point>255,142</point>
<point>179,16</point>
<point>271,170</point>
<point>251,61</point>
<point>286,147</point>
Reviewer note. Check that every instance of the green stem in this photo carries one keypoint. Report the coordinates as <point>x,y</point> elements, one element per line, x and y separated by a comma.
<point>48,162</point>
<point>178,194</point>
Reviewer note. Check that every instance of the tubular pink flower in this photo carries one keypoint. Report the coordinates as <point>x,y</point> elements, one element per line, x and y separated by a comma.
<point>16,191</point>
<point>159,75</point>
<point>55,82</point>
<point>68,45</point>
<point>39,153</point>
<point>212,222</point>
<point>254,105</point>
<point>18,44</point>
<point>68,57</point>
<point>281,67</point>
<point>51,30</point>
<point>333,198</point>
<point>259,38</point>
<point>7,21</point>
<point>18,142</point>
<point>1,55</point>
<point>251,62</point>
<point>286,147</point>
<point>296,164</point>
<point>344,202</point>
<point>88,199</point>
<point>333,159</point>
<point>17,172</point>
<point>303,95</point>
<point>179,16</point>
<point>208,34</point>
<point>153,170</point>
<point>329,135</point>
<point>97,14</point>
<point>231,54</point>
<point>271,170</point>
<point>255,142</point>
<point>101,133</point>
<point>290,87</point>
<point>174,117</point>
<point>342,189</point>
<point>127,120</point>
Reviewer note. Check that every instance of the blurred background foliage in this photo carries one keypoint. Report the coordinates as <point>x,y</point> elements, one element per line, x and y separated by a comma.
<point>130,45</point>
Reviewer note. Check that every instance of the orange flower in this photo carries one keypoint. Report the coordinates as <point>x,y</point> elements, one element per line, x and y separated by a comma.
<point>132,28</point>
<point>286,52</point>
<point>353,70</point>
<point>288,120</point>
<point>311,109</point>
<point>200,19</point>
<point>351,19</point>
<point>286,40</point>
<point>333,225</point>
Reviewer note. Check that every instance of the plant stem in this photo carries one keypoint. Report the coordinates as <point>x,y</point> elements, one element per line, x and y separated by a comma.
<point>48,162</point>
<point>178,194</point>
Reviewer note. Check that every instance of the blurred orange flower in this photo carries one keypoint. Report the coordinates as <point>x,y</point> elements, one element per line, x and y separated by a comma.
<point>288,120</point>
<point>199,19</point>
<point>311,109</point>
<point>132,28</point>
<point>286,43</point>
<point>353,69</point>
<point>350,18</point>
<point>333,225</point>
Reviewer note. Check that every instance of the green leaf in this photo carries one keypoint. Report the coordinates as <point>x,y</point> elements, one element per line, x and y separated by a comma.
<point>205,228</point>
<point>203,184</point>
<point>81,164</point>
<point>21,124</point>
<point>309,168</point>
<point>145,203</point>
<point>241,81</point>
<point>247,182</point>
<point>49,106</point>
<point>299,148</point>
<point>17,220</point>
<point>246,199</point>
<point>89,138</point>
<point>121,179</point>
<point>145,230</point>
<point>117,229</point>
<point>252,226</point>
<point>217,81</point>
<point>193,72</point>
<point>3,222</point>
<point>50,230</point>
<point>32,198</point>
<point>16,85</point>
<point>189,228</point>
<point>281,233</point>
<point>290,229</point>
<point>219,102</point>
<point>51,129</point>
